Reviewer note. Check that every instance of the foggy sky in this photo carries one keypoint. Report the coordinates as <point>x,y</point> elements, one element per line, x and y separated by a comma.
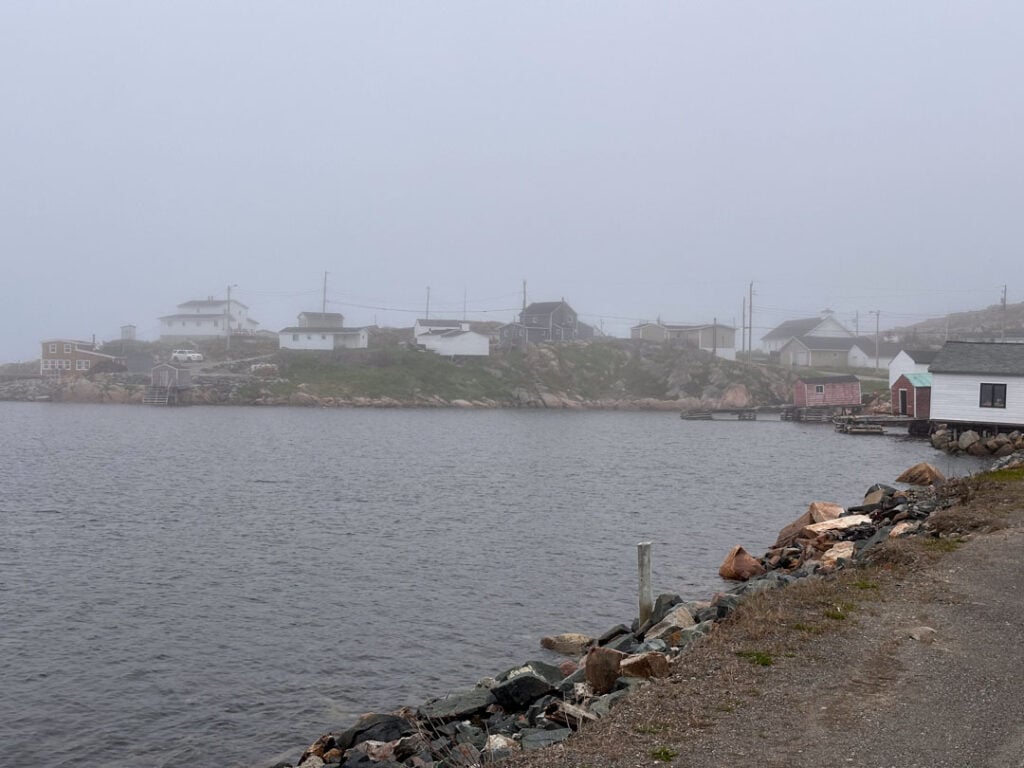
<point>638,159</point>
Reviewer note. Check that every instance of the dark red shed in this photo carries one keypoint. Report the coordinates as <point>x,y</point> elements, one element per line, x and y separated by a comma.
<point>912,396</point>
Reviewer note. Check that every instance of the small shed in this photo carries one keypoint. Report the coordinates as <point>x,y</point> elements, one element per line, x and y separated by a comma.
<point>170,376</point>
<point>912,396</point>
<point>827,392</point>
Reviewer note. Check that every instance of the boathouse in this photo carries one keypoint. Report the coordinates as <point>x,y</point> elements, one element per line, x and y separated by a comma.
<point>827,392</point>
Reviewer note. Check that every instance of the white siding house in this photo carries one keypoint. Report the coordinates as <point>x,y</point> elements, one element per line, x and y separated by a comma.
<point>910,361</point>
<point>456,343</point>
<point>207,318</point>
<point>825,326</point>
<point>421,327</point>
<point>978,383</point>
<point>322,339</point>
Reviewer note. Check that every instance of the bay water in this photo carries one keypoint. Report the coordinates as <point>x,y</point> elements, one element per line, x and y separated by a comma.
<point>218,586</point>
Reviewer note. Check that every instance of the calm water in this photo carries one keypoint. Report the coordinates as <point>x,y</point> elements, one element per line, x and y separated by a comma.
<point>218,586</point>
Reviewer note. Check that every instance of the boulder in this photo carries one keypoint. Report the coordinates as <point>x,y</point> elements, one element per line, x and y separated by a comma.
<point>842,551</point>
<point>668,629</point>
<point>817,512</point>
<point>647,665</point>
<point>967,439</point>
<point>538,738</point>
<point>740,565</point>
<point>374,727</point>
<point>602,668</point>
<point>977,448</point>
<point>902,529</point>
<point>520,691</point>
<point>567,644</point>
<point>839,524</point>
<point>458,705</point>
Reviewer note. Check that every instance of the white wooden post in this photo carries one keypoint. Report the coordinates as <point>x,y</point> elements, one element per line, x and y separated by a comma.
<point>643,557</point>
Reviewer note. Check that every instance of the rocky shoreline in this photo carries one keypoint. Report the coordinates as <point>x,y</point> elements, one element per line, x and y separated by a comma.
<point>973,444</point>
<point>538,704</point>
<point>239,389</point>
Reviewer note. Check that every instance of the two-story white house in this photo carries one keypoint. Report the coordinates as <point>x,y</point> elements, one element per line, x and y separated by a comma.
<point>825,326</point>
<point>206,319</point>
<point>978,384</point>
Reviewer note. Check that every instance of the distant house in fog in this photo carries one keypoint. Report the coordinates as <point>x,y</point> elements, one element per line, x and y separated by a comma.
<point>207,318</point>
<point>825,326</point>
<point>717,338</point>
<point>431,325</point>
<point>322,331</point>
<point>545,321</point>
<point>455,342</point>
<point>69,357</point>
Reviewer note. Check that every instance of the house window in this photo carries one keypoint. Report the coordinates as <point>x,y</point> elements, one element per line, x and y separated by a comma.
<point>819,389</point>
<point>323,335</point>
<point>993,396</point>
<point>81,365</point>
<point>67,349</point>
<point>295,337</point>
<point>53,349</point>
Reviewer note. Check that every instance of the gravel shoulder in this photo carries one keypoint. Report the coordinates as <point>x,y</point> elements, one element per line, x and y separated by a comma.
<point>914,661</point>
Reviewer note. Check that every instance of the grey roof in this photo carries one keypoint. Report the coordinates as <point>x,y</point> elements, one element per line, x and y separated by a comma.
<point>322,317</point>
<point>676,327</point>
<point>318,329</point>
<point>827,343</point>
<point>979,357</point>
<point>434,323</point>
<point>792,328</point>
<point>843,379</point>
<point>921,356</point>
<point>211,303</point>
<point>545,307</point>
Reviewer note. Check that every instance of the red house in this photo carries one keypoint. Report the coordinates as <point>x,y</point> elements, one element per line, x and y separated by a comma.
<point>912,395</point>
<point>827,392</point>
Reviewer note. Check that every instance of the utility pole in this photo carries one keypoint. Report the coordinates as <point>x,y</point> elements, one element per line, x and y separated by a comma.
<point>743,328</point>
<point>1002,317</point>
<point>427,316</point>
<point>227,321</point>
<point>714,337</point>
<point>856,323</point>
<point>323,304</point>
<point>876,313</point>
<point>463,305</point>
<point>750,320</point>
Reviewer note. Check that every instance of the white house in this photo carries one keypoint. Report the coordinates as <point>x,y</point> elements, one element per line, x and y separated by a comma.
<point>207,318</point>
<point>455,343</point>
<point>866,353</point>
<point>910,361</point>
<point>825,326</point>
<point>423,326</point>
<point>716,338</point>
<point>978,383</point>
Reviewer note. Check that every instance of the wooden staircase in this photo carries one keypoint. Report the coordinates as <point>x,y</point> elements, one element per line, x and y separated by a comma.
<point>157,396</point>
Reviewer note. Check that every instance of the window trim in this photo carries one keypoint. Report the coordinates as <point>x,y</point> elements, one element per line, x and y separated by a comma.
<point>819,389</point>
<point>994,389</point>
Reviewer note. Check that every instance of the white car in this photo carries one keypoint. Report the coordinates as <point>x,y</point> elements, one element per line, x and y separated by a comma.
<point>186,356</point>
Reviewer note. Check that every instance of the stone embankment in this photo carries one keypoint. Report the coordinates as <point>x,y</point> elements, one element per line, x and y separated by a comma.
<point>970,442</point>
<point>538,704</point>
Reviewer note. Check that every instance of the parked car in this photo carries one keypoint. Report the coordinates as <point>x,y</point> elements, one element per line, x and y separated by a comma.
<point>186,356</point>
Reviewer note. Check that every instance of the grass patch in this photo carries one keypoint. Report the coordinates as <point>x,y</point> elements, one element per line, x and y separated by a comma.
<point>663,754</point>
<point>865,584</point>
<point>761,658</point>
<point>810,629</point>
<point>651,728</point>
<point>943,545</point>
<point>840,611</point>
<point>1014,475</point>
